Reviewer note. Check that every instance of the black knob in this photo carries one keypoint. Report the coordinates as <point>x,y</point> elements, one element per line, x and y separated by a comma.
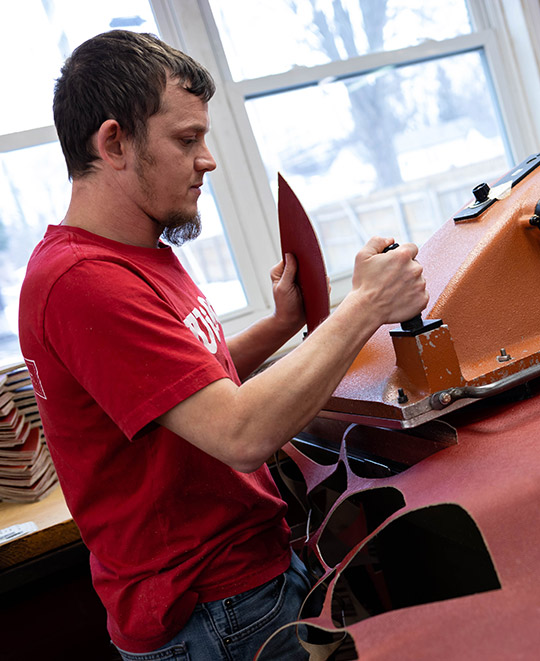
<point>414,324</point>
<point>481,193</point>
<point>391,247</point>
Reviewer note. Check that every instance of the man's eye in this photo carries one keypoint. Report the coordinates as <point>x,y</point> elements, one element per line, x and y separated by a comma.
<point>188,141</point>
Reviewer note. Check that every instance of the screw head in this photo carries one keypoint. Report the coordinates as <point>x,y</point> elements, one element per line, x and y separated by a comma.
<point>445,398</point>
<point>503,356</point>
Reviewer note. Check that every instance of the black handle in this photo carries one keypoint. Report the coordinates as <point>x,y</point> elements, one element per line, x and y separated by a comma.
<point>416,323</point>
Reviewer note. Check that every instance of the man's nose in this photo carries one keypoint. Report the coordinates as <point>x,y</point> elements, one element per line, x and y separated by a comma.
<point>205,161</point>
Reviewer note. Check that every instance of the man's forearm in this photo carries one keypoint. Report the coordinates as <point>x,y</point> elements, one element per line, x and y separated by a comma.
<point>277,403</point>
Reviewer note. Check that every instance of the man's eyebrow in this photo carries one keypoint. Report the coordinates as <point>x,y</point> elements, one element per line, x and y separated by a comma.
<point>192,128</point>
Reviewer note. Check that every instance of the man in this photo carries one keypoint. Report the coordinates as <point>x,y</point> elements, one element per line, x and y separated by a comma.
<point>159,446</point>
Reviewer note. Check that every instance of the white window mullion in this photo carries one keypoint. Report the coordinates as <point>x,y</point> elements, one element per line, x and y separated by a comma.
<point>30,138</point>
<point>301,76</point>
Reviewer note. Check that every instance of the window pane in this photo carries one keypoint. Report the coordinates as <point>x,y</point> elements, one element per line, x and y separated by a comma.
<point>38,35</point>
<point>371,154</point>
<point>29,201</point>
<point>263,37</point>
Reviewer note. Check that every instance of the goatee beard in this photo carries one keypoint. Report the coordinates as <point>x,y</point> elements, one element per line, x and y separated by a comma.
<point>179,228</point>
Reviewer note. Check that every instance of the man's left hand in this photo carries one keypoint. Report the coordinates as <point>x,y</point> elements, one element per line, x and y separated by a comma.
<point>289,307</point>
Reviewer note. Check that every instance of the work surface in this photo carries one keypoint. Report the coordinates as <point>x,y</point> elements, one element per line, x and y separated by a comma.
<point>55,529</point>
<point>439,561</point>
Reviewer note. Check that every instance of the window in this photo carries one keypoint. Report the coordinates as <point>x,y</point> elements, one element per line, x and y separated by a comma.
<point>381,114</point>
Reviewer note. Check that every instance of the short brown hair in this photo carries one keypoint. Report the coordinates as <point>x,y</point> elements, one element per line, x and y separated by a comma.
<point>117,75</point>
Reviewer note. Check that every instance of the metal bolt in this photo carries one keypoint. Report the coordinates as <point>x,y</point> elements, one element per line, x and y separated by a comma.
<point>445,398</point>
<point>503,357</point>
<point>402,397</point>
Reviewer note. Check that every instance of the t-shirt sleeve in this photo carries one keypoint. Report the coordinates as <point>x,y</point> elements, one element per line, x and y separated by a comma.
<point>125,344</point>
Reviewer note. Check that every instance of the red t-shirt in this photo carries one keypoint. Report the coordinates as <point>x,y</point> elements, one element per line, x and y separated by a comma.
<point>114,336</point>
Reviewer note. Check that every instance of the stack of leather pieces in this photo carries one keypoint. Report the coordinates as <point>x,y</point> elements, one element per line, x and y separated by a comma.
<point>26,470</point>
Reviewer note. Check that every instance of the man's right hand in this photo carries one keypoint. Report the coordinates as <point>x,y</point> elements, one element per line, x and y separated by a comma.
<point>391,282</point>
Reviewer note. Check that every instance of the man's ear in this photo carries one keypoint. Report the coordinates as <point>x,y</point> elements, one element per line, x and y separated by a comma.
<point>111,144</point>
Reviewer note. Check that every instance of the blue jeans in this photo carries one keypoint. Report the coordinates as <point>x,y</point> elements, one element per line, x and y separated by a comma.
<point>234,629</point>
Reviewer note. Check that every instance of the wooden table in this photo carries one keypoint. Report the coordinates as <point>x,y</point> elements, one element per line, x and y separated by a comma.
<point>55,529</point>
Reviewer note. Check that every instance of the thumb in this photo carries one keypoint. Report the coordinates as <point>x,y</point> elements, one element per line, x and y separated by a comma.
<point>289,272</point>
